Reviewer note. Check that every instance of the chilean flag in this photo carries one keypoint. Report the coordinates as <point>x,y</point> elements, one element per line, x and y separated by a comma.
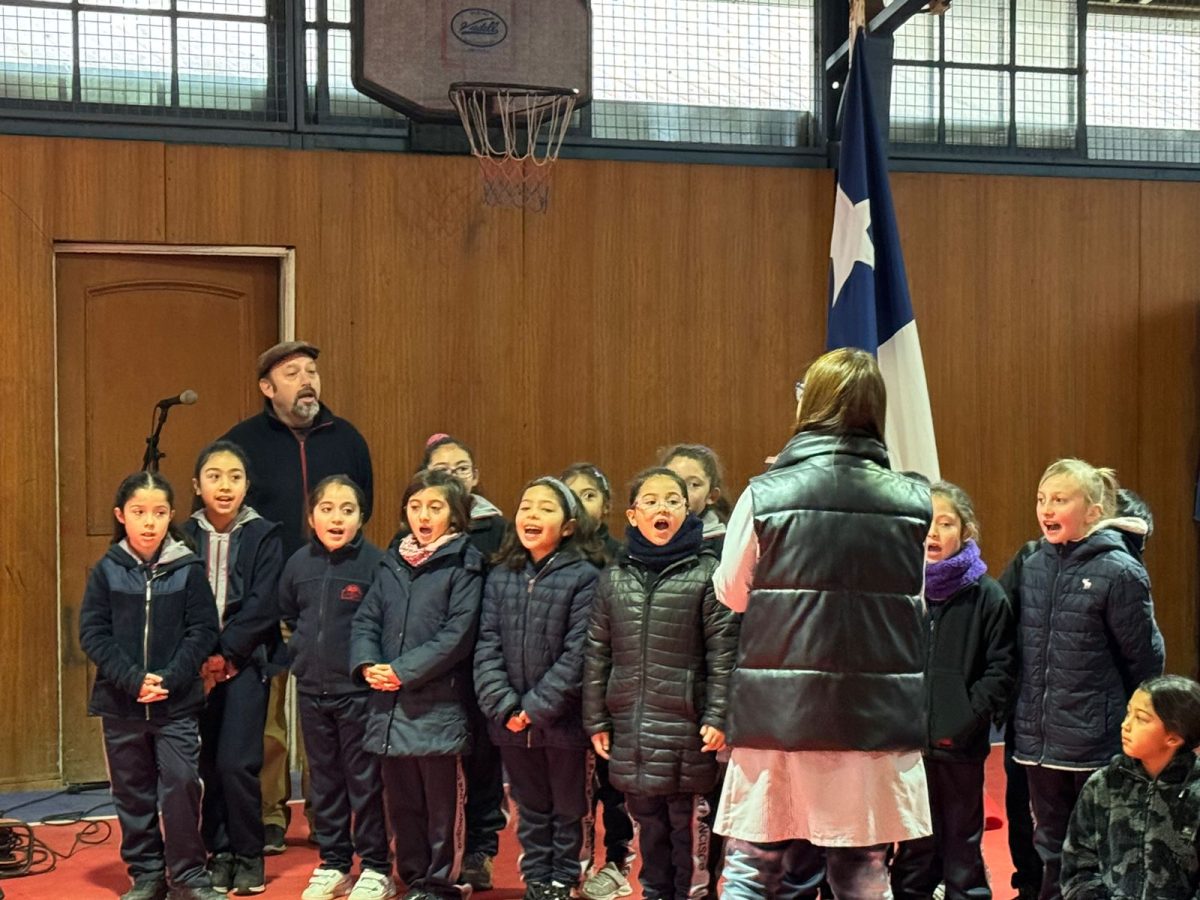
<point>869,304</point>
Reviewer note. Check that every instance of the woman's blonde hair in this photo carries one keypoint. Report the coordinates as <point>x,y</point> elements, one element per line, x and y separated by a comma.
<point>1099,485</point>
<point>843,391</point>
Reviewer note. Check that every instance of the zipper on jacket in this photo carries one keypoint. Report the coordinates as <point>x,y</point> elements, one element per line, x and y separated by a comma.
<point>1046,650</point>
<point>151,574</point>
<point>933,624</point>
<point>645,636</point>
<point>529,586</point>
<point>146,631</point>
<point>322,597</point>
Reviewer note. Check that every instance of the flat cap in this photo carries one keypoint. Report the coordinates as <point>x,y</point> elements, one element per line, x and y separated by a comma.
<point>281,351</point>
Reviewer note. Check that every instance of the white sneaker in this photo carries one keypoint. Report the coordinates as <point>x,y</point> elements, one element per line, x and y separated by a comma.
<point>373,886</point>
<point>327,884</point>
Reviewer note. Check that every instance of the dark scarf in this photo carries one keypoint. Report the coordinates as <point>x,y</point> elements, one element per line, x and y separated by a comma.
<point>686,542</point>
<point>946,577</point>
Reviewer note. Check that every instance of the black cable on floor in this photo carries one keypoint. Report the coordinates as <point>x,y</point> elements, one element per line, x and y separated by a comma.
<point>23,853</point>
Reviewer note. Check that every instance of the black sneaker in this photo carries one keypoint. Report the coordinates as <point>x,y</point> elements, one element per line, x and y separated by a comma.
<point>476,871</point>
<point>536,890</point>
<point>273,842</point>
<point>195,892</point>
<point>150,887</point>
<point>248,876</point>
<point>220,869</point>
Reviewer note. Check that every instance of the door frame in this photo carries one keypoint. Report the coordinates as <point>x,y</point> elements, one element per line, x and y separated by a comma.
<point>287,332</point>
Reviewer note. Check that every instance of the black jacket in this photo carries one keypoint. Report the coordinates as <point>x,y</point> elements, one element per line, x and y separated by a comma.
<point>530,650</point>
<point>1133,837</point>
<point>138,618</point>
<point>284,468</point>
<point>832,648</point>
<point>250,624</point>
<point>422,622</point>
<point>659,652</point>
<point>972,671</point>
<point>319,593</point>
<point>1087,639</point>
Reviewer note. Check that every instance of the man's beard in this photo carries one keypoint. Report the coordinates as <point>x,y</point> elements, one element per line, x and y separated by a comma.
<point>305,409</point>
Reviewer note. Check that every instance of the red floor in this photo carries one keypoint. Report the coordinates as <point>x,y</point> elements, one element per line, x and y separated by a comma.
<point>97,872</point>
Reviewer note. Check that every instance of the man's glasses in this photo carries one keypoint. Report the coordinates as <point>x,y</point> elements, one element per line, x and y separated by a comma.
<point>671,504</point>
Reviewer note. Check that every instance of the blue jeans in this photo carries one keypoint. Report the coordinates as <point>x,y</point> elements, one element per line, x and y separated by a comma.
<point>792,870</point>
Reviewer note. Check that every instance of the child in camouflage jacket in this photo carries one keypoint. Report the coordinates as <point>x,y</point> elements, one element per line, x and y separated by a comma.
<point>1133,833</point>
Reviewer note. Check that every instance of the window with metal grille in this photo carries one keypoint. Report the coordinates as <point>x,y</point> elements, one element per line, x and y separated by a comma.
<point>218,61</point>
<point>1143,83</point>
<point>1102,80</point>
<point>330,97</point>
<point>988,74</point>
<point>704,71</point>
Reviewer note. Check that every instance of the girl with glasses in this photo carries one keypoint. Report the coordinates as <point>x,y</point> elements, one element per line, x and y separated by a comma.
<point>659,655</point>
<point>449,454</point>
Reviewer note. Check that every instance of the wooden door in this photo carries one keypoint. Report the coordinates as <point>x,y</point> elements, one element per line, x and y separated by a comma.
<point>133,330</point>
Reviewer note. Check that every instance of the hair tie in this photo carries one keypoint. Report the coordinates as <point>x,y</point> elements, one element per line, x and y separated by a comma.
<point>568,496</point>
<point>434,438</point>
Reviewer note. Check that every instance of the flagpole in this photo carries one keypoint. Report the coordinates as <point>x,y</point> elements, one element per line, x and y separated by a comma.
<point>858,19</point>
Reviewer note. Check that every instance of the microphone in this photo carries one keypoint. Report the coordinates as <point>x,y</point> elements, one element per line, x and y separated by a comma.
<point>187,398</point>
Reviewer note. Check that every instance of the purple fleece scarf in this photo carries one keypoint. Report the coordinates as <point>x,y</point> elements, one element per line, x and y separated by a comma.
<point>946,577</point>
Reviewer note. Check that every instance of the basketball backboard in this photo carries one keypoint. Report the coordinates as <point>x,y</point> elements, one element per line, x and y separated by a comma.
<point>407,53</point>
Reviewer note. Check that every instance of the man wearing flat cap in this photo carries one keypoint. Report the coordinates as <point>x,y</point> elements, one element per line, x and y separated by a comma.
<point>292,444</point>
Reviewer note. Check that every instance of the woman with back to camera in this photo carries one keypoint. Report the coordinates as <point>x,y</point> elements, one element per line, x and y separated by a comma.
<point>824,555</point>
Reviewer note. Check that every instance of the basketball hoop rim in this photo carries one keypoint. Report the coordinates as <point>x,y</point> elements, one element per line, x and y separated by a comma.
<point>544,90</point>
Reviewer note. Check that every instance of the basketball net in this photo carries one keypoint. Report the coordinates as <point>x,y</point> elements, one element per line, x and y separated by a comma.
<point>515,132</point>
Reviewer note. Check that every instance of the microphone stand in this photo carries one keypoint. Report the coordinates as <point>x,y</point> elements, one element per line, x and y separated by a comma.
<point>153,454</point>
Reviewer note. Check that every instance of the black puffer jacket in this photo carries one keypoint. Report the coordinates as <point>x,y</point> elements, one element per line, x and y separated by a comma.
<point>972,670</point>
<point>1087,639</point>
<point>422,622</point>
<point>659,654</point>
<point>319,593</point>
<point>832,649</point>
<point>1133,837</point>
<point>530,650</point>
<point>138,618</point>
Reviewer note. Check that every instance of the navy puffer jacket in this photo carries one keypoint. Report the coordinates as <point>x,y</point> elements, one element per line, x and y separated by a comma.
<point>660,651</point>
<point>1087,639</point>
<point>529,655</point>
<point>421,621</point>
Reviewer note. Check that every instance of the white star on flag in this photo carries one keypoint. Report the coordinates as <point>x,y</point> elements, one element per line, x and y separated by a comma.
<point>851,243</point>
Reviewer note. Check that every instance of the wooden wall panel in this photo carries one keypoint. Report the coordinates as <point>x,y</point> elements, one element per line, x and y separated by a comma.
<point>49,191</point>
<point>678,303</point>
<point>28,481</point>
<point>1027,312</point>
<point>1166,367</point>
<point>652,303</point>
<point>79,190</point>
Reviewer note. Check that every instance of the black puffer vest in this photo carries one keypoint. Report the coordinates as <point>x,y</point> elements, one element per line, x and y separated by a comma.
<point>832,649</point>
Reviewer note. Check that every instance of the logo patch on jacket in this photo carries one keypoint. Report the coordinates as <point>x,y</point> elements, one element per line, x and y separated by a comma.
<point>352,593</point>
<point>1087,584</point>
